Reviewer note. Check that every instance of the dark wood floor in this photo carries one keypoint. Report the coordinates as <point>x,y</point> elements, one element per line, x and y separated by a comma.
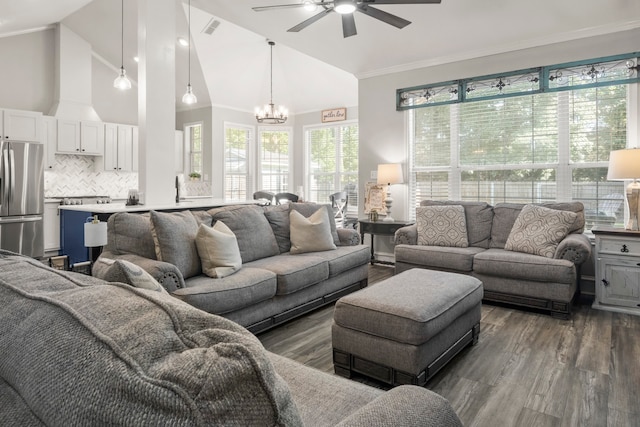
<point>528,369</point>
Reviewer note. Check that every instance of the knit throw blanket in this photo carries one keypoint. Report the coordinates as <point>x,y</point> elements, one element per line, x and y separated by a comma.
<point>75,350</point>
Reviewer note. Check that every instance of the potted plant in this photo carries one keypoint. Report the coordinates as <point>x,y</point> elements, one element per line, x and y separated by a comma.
<point>194,176</point>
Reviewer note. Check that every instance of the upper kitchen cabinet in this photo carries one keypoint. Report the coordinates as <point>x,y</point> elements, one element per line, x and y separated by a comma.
<point>49,132</point>
<point>80,137</point>
<point>17,125</point>
<point>118,148</point>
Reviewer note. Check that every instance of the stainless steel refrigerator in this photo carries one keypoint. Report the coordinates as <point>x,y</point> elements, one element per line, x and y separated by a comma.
<point>22,197</point>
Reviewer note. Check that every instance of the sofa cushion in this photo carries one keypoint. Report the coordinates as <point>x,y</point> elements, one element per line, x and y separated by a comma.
<point>278,217</point>
<point>505,215</point>
<point>130,233</point>
<point>255,236</point>
<point>518,265</point>
<point>187,368</point>
<point>307,209</point>
<point>442,226</point>
<point>438,257</point>
<point>218,250</point>
<point>120,270</point>
<point>174,234</point>
<point>344,258</point>
<point>312,234</point>
<point>248,286</point>
<point>294,272</point>
<point>539,230</point>
<point>478,216</point>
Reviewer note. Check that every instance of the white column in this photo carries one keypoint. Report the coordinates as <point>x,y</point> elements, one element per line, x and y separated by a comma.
<point>156,99</point>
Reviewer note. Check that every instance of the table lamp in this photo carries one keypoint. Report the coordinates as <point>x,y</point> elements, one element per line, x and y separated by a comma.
<point>95,236</point>
<point>625,165</point>
<point>389,173</point>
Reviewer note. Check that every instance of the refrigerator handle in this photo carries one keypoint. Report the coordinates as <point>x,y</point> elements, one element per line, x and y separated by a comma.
<point>12,177</point>
<point>5,181</point>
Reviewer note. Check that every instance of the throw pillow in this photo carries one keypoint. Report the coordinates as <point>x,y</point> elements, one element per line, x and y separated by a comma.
<point>311,234</point>
<point>442,226</point>
<point>539,230</point>
<point>119,270</point>
<point>308,208</point>
<point>218,250</point>
<point>174,234</point>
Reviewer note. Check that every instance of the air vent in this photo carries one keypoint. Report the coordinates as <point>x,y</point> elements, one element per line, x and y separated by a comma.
<point>211,26</point>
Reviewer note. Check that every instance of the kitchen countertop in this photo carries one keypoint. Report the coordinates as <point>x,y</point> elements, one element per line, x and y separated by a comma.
<point>109,208</point>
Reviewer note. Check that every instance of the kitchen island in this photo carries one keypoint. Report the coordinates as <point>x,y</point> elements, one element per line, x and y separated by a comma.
<point>73,217</point>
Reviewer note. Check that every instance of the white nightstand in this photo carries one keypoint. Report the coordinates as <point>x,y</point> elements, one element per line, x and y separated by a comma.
<point>617,270</point>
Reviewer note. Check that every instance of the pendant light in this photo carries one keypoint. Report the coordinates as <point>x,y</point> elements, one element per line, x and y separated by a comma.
<point>268,114</point>
<point>189,97</point>
<point>122,82</point>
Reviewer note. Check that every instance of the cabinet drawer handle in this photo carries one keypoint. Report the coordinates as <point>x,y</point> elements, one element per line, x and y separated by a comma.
<point>605,282</point>
<point>624,248</point>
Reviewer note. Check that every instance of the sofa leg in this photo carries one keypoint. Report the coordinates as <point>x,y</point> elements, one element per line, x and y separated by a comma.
<point>560,310</point>
<point>364,283</point>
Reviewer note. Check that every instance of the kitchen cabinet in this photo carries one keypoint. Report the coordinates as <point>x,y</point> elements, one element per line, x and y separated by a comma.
<point>80,137</point>
<point>18,125</point>
<point>51,226</point>
<point>118,148</point>
<point>49,132</point>
<point>617,270</point>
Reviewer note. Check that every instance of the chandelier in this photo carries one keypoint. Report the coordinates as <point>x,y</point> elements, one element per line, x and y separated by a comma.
<point>269,113</point>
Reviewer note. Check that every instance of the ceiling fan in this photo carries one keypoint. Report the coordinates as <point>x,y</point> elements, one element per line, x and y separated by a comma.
<point>346,8</point>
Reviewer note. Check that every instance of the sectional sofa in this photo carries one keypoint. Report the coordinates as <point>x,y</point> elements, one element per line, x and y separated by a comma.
<point>509,276</point>
<point>272,286</point>
<point>80,351</point>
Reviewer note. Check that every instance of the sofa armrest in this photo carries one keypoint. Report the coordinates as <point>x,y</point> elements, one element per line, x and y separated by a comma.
<point>407,235</point>
<point>348,237</point>
<point>405,406</point>
<point>165,273</point>
<point>575,248</point>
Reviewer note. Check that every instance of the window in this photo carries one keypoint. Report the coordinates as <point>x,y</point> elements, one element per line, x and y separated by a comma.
<point>523,149</point>
<point>332,162</point>
<point>238,143</point>
<point>274,161</point>
<point>193,134</point>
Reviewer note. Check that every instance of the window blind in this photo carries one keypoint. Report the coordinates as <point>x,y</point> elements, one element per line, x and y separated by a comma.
<point>238,141</point>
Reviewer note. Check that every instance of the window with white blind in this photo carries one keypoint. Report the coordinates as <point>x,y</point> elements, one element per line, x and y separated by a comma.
<point>193,134</point>
<point>524,149</point>
<point>238,143</point>
<point>332,162</point>
<point>274,159</point>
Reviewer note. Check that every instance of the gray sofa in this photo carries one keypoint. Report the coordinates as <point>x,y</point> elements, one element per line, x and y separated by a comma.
<point>79,351</point>
<point>508,276</point>
<point>271,287</point>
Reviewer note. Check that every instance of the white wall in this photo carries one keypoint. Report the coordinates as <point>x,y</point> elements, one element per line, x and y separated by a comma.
<point>382,128</point>
<point>112,105</point>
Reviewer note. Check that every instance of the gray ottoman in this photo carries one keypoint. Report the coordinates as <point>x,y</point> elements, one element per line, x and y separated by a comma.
<point>404,329</point>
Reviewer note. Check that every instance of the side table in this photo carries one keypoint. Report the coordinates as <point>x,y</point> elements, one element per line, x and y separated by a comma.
<point>380,228</point>
<point>617,270</point>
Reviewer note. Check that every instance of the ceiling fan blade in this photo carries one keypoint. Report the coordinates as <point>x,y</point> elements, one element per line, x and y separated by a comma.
<point>383,16</point>
<point>277,6</point>
<point>306,23</point>
<point>377,2</point>
<point>348,25</point>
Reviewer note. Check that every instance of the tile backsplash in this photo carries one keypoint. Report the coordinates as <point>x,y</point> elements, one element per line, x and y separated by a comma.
<point>73,176</point>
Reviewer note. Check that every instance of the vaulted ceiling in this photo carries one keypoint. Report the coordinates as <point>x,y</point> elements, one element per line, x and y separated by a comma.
<point>317,68</point>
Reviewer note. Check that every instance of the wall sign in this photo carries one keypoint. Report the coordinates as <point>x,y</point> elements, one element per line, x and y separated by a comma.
<point>334,115</point>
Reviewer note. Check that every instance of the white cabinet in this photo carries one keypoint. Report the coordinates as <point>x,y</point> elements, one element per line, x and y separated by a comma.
<point>617,270</point>
<point>17,125</point>
<point>51,226</point>
<point>49,132</point>
<point>118,148</point>
<point>80,137</point>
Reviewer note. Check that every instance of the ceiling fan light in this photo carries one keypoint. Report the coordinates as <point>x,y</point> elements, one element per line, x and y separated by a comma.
<point>344,6</point>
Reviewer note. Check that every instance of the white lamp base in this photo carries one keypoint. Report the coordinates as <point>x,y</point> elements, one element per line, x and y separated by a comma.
<point>388,201</point>
<point>633,200</point>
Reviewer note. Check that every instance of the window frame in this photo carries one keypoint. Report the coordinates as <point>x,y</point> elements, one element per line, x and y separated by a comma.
<point>251,158</point>
<point>188,144</point>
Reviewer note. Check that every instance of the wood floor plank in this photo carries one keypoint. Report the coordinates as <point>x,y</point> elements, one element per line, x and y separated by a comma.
<point>528,369</point>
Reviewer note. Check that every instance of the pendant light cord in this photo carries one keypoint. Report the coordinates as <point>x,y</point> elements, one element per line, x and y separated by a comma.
<point>271,72</point>
<point>189,30</point>
<point>122,34</point>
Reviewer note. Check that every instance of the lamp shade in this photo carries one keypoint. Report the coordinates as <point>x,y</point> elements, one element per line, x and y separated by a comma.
<point>390,173</point>
<point>624,164</point>
<point>95,234</point>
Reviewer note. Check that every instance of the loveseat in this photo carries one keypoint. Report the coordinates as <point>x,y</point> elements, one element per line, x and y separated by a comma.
<point>80,351</point>
<point>272,284</point>
<point>512,254</point>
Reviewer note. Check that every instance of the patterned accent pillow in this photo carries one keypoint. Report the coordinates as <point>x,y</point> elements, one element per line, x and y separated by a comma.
<point>442,226</point>
<point>539,230</point>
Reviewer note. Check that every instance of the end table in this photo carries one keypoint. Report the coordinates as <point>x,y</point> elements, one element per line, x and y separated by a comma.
<point>380,228</point>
